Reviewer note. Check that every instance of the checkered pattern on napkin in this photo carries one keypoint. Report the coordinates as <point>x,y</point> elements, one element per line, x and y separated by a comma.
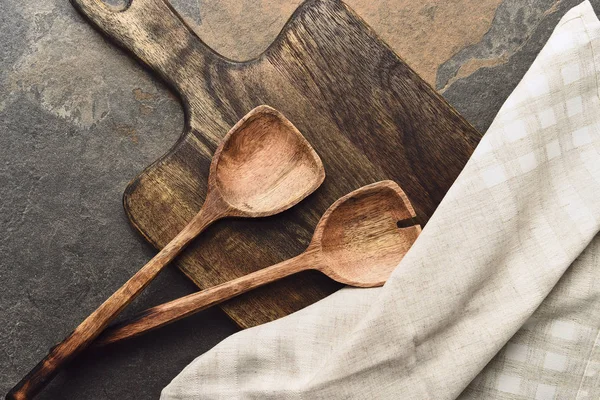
<point>498,298</point>
<point>556,354</point>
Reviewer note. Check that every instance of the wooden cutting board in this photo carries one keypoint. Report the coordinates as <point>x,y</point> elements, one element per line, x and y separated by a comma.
<point>367,114</point>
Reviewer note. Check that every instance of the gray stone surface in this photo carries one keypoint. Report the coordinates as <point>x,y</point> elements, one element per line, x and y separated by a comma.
<point>517,35</point>
<point>79,119</point>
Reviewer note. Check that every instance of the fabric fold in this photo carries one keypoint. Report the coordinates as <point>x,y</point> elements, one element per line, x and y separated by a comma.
<point>522,211</point>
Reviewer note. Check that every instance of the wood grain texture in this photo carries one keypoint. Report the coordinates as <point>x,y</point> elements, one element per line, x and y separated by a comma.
<point>359,241</point>
<point>366,113</point>
<point>263,167</point>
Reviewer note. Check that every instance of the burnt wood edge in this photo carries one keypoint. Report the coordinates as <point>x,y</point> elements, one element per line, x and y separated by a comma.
<point>33,379</point>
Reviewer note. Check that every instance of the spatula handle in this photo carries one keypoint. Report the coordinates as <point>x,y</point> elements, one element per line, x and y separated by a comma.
<point>91,327</point>
<point>177,309</point>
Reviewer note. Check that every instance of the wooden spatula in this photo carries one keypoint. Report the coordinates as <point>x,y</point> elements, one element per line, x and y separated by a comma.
<point>264,166</point>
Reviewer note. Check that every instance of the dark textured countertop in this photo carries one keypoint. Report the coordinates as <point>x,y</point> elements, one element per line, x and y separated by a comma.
<point>79,119</point>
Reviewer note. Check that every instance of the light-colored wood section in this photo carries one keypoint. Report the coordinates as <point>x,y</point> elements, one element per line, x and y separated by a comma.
<point>264,166</point>
<point>365,234</point>
<point>359,241</point>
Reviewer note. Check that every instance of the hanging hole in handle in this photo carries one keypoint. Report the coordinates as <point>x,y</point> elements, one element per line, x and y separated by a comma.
<point>407,223</point>
<point>117,5</point>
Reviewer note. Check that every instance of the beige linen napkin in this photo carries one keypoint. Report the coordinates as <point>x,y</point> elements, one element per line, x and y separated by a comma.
<point>494,265</point>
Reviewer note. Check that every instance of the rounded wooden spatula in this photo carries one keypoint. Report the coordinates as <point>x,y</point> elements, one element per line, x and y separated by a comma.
<point>262,167</point>
<point>359,241</point>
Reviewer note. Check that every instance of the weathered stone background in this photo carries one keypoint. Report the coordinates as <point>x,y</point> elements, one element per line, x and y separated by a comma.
<point>79,119</point>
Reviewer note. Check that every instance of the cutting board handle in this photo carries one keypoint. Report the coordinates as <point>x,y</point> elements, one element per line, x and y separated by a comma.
<point>162,44</point>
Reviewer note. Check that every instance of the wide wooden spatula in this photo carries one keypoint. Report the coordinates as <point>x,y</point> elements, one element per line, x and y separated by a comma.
<point>264,166</point>
<point>359,241</point>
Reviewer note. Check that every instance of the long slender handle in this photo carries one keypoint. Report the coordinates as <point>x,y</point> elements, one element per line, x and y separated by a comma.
<point>91,327</point>
<point>177,309</point>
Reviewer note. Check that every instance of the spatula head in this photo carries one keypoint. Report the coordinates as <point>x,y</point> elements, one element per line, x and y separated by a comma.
<point>364,235</point>
<point>264,165</point>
